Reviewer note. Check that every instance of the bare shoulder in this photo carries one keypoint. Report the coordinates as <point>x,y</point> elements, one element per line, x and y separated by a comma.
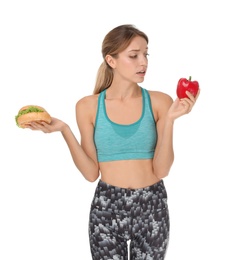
<point>160,99</point>
<point>86,107</point>
<point>87,102</point>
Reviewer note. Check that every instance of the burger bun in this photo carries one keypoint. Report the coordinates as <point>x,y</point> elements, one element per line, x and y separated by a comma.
<point>23,120</point>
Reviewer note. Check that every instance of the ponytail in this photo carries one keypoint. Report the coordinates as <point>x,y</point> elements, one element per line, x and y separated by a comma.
<point>104,78</point>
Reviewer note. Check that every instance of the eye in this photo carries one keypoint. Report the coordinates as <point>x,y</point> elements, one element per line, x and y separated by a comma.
<point>146,55</point>
<point>133,56</point>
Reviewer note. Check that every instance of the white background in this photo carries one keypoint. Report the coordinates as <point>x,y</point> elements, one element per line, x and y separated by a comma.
<point>49,56</point>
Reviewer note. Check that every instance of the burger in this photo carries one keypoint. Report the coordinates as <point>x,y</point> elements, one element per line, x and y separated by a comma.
<point>32,113</point>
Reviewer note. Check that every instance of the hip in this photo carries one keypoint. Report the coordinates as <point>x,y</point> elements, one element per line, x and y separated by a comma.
<point>107,196</point>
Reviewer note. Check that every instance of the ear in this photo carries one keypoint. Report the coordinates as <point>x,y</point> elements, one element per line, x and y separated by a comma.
<point>110,61</point>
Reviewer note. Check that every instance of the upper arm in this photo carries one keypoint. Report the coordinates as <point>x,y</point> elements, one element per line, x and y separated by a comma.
<point>85,114</point>
<point>161,103</point>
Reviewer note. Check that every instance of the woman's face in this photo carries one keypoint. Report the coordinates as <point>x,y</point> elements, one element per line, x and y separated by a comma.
<point>131,64</point>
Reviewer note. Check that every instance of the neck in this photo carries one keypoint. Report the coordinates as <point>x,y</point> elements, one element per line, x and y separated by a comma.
<point>116,92</point>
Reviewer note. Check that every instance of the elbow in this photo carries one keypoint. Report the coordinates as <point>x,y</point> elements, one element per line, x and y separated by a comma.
<point>91,178</point>
<point>162,174</point>
<point>163,171</point>
<point>90,173</point>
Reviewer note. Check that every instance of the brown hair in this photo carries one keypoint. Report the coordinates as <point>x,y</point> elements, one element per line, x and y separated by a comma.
<point>117,40</point>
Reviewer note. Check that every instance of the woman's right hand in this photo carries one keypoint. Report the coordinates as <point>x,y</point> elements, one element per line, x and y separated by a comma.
<point>55,126</point>
<point>182,106</point>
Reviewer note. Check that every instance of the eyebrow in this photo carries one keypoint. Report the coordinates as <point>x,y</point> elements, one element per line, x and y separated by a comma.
<point>138,49</point>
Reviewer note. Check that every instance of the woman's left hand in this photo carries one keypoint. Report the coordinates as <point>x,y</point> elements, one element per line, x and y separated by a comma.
<point>182,106</point>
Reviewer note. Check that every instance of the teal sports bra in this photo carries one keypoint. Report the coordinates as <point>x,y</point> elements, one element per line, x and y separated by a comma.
<point>125,142</point>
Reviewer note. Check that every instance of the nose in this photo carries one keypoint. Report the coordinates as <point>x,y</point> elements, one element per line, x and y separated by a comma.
<point>143,60</point>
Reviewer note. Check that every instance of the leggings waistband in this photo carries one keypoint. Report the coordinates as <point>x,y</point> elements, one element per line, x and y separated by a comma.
<point>157,187</point>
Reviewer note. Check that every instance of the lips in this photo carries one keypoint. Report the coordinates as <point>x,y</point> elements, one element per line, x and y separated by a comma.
<point>141,72</point>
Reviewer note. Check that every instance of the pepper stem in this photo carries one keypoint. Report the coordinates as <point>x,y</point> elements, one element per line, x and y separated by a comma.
<point>189,78</point>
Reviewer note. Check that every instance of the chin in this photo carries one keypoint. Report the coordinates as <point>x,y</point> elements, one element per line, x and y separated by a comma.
<point>140,80</point>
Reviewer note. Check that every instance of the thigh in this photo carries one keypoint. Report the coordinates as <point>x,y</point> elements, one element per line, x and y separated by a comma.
<point>107,228</point>
<point>151,232</point>
<point>152,242</point>
<point>107,248</point>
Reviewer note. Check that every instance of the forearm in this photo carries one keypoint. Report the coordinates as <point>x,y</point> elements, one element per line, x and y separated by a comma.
<point>164,154</point>
<point>83,162</point>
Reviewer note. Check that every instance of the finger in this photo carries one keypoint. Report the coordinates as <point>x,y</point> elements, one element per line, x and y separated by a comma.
<point>189,101</point>
<point>29,126</point>
<point>191,96</point>
<point>198,93</point>
<point>187,105</point>
<point>38,126</point>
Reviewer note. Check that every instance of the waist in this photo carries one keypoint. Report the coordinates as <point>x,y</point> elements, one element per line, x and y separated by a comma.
<point>130,174</point>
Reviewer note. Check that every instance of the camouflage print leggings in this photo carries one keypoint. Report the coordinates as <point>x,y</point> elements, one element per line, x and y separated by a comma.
<point>118,215</point>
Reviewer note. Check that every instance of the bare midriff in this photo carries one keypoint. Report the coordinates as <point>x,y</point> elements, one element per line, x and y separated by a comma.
<point>132,174</point>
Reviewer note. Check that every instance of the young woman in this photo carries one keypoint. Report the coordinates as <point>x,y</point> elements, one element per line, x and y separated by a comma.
<point>127,141</point>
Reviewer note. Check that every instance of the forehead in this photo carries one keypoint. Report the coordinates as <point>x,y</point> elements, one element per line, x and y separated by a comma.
<point>137,43</point>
